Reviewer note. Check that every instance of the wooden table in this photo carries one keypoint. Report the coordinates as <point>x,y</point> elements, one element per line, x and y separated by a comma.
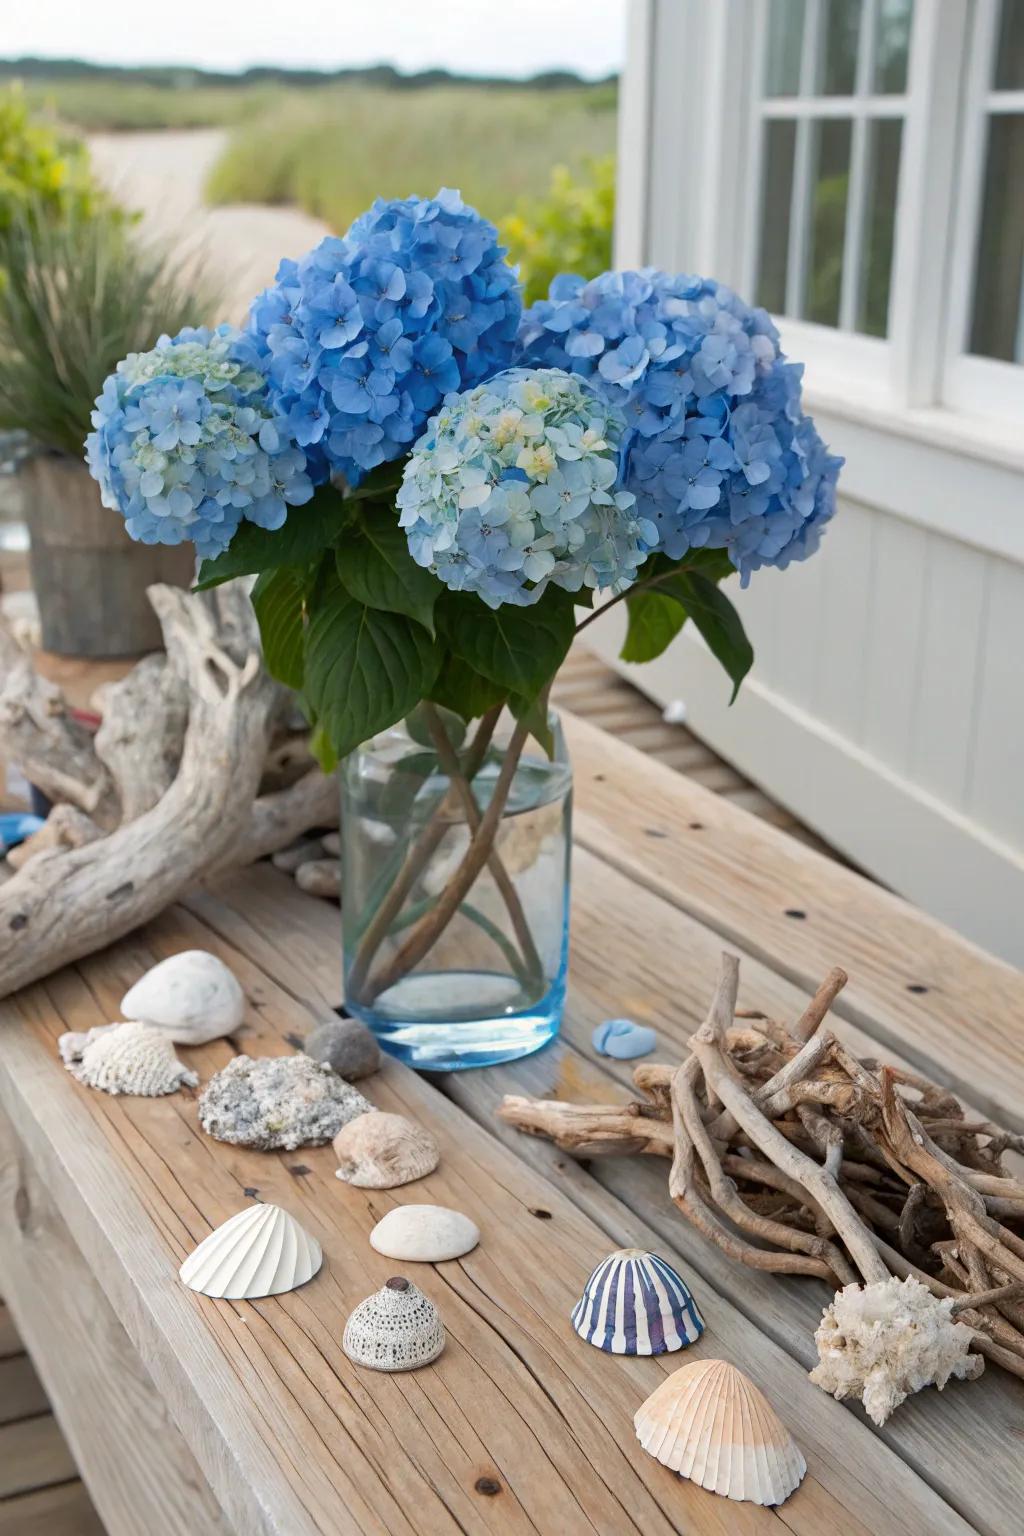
<point>191,1416</point>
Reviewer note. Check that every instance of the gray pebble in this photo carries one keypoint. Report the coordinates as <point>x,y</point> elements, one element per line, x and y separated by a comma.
<point>345,1045</point>
<point>319,877</point>
<point>301,852</point>
<point>332,844</point>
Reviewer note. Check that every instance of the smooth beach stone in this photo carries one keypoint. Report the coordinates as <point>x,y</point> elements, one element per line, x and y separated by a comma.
<point>301,852</point>
<point>332,844</point>
<point>424,1234</point>
<point>345,1046</point>
<point>320,877</point>
<point>623,1040</point>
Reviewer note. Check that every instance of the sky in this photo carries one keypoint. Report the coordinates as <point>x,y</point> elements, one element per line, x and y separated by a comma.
<point>499,37</point>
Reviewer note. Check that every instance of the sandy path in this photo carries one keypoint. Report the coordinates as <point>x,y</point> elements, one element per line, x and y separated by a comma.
<point>162,175</point>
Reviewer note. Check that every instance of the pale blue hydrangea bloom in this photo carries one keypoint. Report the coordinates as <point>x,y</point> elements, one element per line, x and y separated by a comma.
<point>515,484</point>
<point>719,451</point>
<point>367,334</point>
<point>186,445</point>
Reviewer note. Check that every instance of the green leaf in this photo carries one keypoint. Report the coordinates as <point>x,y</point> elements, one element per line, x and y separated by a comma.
<point>717,620</point>
<point>365,669</point>
<point>380,484</point>
<point>278,600</point>
<point>459,688</point>
<point>306,533</point>
<point>520,649</point>
<point>453,725</point>
<point>655,619</point>
<point>534,713</point>
<point>323,751</point>
<point>375,566</point>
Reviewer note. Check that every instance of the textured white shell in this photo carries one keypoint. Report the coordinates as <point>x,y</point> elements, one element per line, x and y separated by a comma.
<point>192,996</point>
<point>260,1252</point>
<point>125,1058</point>
<point>381,1151</point>
<point>396,1329</point>
<point>708,1422</point>
<point>427,1234</point>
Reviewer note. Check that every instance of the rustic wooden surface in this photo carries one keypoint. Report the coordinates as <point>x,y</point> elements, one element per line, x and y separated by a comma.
<point>288,1436</point>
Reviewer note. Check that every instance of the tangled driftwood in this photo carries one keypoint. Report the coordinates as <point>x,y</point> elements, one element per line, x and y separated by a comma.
<point>196,767</point>
<point>795,1156</point>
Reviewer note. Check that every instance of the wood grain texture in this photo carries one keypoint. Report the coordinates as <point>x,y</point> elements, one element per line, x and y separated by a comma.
<point>32,1455</point>
<point>616,926</point>
<point>21,1392</point>
<point>64,1510</point>
<point>802,914</point>
<point>293,1438</point>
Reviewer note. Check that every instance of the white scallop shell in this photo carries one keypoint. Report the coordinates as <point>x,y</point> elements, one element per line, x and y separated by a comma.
<point>636,1304</point>
<point>125,1058</point>
<point>381,1151</point>
<point>427,1234</point>
<point>260,1252</point>
<point>709,1423</point>
<point>396,1329</point>
<point>191,996</point>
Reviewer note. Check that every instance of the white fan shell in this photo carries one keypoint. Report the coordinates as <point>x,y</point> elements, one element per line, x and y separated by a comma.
<point>260,1252</point>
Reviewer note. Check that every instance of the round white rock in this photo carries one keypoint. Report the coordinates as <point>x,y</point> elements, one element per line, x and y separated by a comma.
<point>192,997</point>
<point>424,1234</point>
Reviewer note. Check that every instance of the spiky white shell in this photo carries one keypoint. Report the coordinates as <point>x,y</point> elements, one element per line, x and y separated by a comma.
<point>260,1252</point>
<point>709,1423</point>
<point>192,996</point>
<point>636,1304</point>
<point>125,1058</point>
<point>427,1234</point>
<point>381,1151</point>
<point>395,1329</point>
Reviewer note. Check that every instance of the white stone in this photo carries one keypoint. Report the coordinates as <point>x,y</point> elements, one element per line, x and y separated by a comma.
<point>425,1234</point>
<point>191,996</point>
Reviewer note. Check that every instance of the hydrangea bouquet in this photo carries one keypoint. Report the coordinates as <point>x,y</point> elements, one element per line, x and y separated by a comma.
<point>432,487</point>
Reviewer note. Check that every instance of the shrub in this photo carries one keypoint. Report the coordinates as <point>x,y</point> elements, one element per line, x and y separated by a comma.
<point>569,230</point>
<point>38,167</point>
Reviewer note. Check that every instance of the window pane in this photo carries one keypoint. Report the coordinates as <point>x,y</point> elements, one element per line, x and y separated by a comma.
<point>785,41</point>
<point>830,161</point>
<point>1010,48</point>
<point>892,44</point>
<point>996,328</point>
<point>777,184</point>
<point>837,75</point>
<point>883,169</point>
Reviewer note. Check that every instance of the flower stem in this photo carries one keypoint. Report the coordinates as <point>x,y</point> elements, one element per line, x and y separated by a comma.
<point>415,862</point>
<point>432,925</point>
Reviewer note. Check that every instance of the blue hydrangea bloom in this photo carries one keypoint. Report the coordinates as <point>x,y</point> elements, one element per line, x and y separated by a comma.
<point>367,334</point>
<point>515,484</point>
<point>719,453</point>
<point>186,444</point>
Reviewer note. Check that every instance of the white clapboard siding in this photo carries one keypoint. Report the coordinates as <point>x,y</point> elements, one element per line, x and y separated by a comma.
<point>886,705</point>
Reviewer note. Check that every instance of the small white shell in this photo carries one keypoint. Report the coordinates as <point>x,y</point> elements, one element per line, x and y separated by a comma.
<point>396,1329</point>
<point>191,996</point>
<point>381,1151</point>
<point>708,1422</point>
<point>125,1058</point>
<point>261,1251</point>
<point>427,1234</point>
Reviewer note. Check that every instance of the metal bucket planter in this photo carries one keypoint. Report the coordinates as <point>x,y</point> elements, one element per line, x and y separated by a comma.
<point>89,577</point>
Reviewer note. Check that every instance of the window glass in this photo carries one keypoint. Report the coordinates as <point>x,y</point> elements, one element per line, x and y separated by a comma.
<point>841,25</point>
<point>892,46</point>
<point>885,139</point>
<point>776,201</point>
<point>827,232</point>
<point>1010,48</point>
<point>785,45</point>
<point>998,322</point>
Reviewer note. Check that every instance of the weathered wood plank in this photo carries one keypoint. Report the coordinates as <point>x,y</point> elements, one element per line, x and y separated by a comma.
<point>802,914</point>
<point>65,1510</point>
<point>33,1455</point>
<point>21,1392</point>
<point>512,1397</point>
<point>616,926</point>
<point>10,1339</point>
<point>105,1396</point>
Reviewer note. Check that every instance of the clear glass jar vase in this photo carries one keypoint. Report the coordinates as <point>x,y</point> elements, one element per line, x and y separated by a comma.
<point>455,888</point>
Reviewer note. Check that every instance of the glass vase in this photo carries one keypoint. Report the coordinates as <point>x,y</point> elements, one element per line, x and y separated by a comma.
<point>455,888</point>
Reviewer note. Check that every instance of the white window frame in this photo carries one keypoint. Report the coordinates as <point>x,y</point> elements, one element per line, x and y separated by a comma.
<point>706,60</point>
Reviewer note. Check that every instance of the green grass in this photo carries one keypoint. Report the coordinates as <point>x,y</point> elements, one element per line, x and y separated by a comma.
<point>98,106</point>
<point>333,151</point>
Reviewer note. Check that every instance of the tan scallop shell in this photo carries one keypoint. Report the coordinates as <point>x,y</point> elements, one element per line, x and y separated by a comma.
<point>381,1151</point>
<point>709,1423</point>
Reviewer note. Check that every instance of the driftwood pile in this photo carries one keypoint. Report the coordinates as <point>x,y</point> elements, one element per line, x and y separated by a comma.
<point>795,1156</point>
<point>199,764</point>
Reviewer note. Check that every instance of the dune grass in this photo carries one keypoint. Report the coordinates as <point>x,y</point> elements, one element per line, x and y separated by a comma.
<point>334,151</point>
<point>98,106</point>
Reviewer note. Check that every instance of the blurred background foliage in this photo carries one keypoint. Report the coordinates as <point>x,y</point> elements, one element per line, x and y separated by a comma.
<point>39,166</point>
<point>568,230</point>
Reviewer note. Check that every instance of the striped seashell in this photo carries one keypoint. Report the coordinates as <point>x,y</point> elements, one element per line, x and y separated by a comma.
<point>260,1252</point>
<point>709,1423</point>
<point>635,1304</point>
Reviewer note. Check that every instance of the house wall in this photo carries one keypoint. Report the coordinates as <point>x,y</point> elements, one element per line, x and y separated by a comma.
<point>886,705</point>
